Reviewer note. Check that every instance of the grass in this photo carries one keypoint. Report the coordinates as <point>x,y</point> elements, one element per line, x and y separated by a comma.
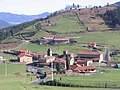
<point>8,56</point>
<point>66,24</point>
<point>56,49</point>
<point>109,76</point>
<point>22,82</point>
<point>116,58</point>
<point>110,39</point>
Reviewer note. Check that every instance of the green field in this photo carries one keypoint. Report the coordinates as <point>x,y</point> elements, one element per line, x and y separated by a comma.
<point>109,76</point>
<point>22,81</point>
<point>103,39</point>
<point>66,24</point>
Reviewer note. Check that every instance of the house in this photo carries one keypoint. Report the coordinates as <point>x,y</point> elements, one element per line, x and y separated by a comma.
<point>84,62</point>
<point>95,56</point>
<point>61,61</point>
<point>25,58</point>
<point>37,55</point>
<point>46,59</point>
<point>92,44</point>
<point>81,69</point>
<point>60,41</point>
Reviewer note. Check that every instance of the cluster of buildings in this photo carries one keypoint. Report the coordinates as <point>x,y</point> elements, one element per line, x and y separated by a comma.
<point>83,61</point>
<point>53,40</point>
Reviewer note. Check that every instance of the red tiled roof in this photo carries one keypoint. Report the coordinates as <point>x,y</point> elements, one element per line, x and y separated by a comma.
<point>22,55</point>
<point>87,67</point>
<point>80,68</point>
<point>48,73</point>
<point>75,66</point>
<point>90,52</point>
<point>60,60</point>
<point>92,43</point>
<point>22,50</point>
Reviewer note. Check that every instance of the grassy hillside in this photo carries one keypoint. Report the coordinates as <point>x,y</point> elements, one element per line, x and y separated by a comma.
<point>72,21</point>
<point>22,81</point>
<point>68,24</point>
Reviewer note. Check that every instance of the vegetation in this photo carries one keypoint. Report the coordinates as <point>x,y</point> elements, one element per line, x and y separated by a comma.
<point>67,62</point>
<point>18,79</point>
<point>112,17</point>
<point>66,24</point>
<point>106,76</point>
<point>10,31</point>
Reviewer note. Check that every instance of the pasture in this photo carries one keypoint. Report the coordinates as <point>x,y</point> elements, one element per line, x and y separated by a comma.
<point>22,82</point>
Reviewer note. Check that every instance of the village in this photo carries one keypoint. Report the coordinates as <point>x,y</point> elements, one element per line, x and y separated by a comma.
<point>63,45</point>
<point>85,62</point>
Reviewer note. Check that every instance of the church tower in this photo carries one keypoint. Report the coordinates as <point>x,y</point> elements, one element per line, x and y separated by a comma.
<point>49,52</point>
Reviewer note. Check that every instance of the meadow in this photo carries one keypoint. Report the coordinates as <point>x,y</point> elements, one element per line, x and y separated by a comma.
<point>66,24</point>
<point>107,77</point>
<point>23,82</point>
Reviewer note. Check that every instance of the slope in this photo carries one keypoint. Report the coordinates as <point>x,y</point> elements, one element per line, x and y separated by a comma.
<point>4,24</point>
<point>71,23</point>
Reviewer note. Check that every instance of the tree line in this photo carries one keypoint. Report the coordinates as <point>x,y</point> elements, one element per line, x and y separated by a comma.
<point>112,18</point>
<point>10,31</point>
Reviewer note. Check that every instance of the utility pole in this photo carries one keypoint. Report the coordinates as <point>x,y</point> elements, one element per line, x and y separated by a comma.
<point>52,68</point>
<point>5,68</point>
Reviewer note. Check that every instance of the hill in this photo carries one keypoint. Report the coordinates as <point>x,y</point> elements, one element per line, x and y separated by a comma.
<point>85,25</point>
<point>60,23</point>
<point>17,19</point>
<point>4,24</point>
<point>117,4</point>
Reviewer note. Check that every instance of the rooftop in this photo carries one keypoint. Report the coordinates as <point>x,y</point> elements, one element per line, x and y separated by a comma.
<point>90,52</point>
<point>60,60</point>
<point>22,55</point>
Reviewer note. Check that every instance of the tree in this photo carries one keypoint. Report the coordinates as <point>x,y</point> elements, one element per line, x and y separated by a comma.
<point>58,67</point>
<point>78,6</point>
<point>113,16</point>
<point>67,62</point>
<point>38,26</point>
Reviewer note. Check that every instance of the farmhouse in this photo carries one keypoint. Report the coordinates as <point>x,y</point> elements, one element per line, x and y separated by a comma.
<point>24,58</point>
<point>61,40</point>
<point>92,44</point>
<point>79,68</point>
<point>94,56</point>
<point>84,62</point>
